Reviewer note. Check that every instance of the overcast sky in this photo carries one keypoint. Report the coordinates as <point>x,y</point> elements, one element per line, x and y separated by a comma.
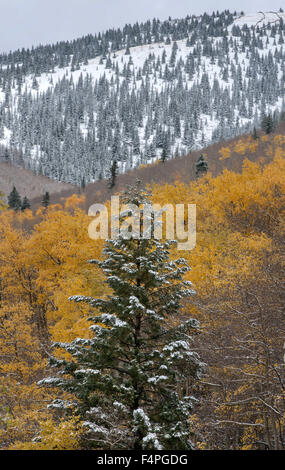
<point>24,23</point>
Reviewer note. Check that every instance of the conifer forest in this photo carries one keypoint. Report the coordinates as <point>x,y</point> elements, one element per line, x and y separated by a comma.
<point>139,341</point>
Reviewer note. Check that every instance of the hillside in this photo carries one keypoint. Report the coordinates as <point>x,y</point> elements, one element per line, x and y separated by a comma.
<point>127,95</point>
<point>27,183</point>
<point>229,154</point>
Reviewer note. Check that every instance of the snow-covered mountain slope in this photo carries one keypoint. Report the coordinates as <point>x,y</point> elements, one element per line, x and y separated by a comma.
<point>261,19</point>
<point>189,82</point>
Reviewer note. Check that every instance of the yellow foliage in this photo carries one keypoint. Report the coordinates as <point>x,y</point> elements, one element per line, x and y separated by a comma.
<point>74,201</point>
<point>2,202</point>
<point>235,269</point>
<point>62,436</point>
<point>225,153</point>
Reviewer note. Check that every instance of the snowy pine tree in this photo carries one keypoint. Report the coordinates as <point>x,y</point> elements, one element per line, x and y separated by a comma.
<point>131,380</point>
<point>113,174</point>
<point>163,156</point>
<point>267,124</point>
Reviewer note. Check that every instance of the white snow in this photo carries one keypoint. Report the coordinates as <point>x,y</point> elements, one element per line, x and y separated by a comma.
<point>259,19</point>
<point>7,136</point>
<point>139,55</point>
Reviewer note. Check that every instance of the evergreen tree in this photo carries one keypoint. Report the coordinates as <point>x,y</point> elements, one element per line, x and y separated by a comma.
<point>163,156</point>
<point>25,204</point>
<point>14,200</point>
<point>254,134</point>
<point>201,166</point>
<point>267,124</point>
<point>46,200</point>
<point>129,379</point>
<point>113,174</point>
<point>6,155</point>
<point>83,184</point>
